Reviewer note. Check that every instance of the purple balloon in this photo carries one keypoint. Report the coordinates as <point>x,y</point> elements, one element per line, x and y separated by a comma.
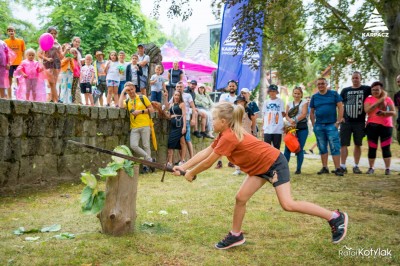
<point>46,41</point>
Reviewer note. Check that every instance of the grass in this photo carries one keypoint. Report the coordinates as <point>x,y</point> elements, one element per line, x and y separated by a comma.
<point>274,237</point>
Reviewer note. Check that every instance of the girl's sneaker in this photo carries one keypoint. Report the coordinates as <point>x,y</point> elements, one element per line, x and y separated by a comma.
<point>370,171</point>
<point>339,227</point>
<point>237,172</point>
<point>230,241</point>
<point>387,171</point>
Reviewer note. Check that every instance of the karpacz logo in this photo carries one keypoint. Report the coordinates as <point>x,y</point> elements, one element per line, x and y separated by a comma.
<point>346,251</point>
<point>376,26</point>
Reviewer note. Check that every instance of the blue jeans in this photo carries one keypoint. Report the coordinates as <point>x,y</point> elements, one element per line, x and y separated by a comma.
<point>327,134</point>
<point>301,135</point>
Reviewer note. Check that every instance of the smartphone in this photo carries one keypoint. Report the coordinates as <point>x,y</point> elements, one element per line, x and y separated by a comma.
<point>379,112</point>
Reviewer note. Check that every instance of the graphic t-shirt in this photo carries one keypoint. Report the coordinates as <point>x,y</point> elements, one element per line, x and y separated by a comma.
<point>353,103</point>
<point>87,71</point>
<point>252,155</point>
<point>18,46</point>
<point>273,119</point>
<point>159,83</point>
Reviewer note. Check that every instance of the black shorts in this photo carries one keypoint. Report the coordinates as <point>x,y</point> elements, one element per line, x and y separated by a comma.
<point>281,168</point>
<point>355,128</point>
<point>11,71</point>
<point>86,87</point>
<point>102,87</point>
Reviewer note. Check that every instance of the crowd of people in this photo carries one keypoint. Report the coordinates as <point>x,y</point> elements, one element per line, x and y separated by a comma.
<point>64,74</point>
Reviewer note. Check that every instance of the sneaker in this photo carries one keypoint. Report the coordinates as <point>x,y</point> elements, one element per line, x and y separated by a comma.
<point>181,162</point>
<point>219,165</point>
<point>311,151</point>
<point>152,169</point>
<point>207,135</point>
<point>230,241</point>
<point>305,152</point>
<point>145,169</point>
<point>231,165</point>
<point>237,172</point>
<point>197,134</point>
<point>344,170</point>
<point>370,171</point>
<point>387,172</point>
<point>324,170</point>
<point>339,227</point>
<point>356,170</point>
<point>339,171</point>
<point>297,172</point>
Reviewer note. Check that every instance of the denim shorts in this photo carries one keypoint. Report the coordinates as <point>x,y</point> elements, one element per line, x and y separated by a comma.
<point>187,136</point>
<point>112,83</point>
<point>327,134</point>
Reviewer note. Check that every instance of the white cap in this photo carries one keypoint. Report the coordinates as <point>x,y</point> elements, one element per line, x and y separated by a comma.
<point>245,90</point>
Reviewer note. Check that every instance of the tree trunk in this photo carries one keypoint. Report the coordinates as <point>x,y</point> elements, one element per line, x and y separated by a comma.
<point>119,213</point>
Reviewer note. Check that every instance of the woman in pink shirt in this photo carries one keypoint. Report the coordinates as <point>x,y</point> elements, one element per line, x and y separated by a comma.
<point>380,109</point>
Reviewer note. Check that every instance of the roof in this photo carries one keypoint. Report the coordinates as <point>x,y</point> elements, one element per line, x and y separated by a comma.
<point>201,43</point>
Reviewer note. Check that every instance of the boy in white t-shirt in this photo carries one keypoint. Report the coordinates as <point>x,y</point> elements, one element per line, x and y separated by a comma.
<point>273,114</point>
<point>157,83</point>
<point>87,79</point>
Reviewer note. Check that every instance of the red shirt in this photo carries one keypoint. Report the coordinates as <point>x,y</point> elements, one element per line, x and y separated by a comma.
<point>252,155</point>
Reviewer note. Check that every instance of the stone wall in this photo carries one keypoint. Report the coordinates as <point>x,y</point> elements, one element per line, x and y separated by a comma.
<point>33,141</point>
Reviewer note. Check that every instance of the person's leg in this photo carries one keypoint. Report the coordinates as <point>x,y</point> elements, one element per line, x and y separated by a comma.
<point>277,140</point>
<point>109,94</point>
<point>334,144</point>
<point>358,135</point>
<point>145,133</point>
<point>134,142</point>
<point>283,192</point>
<point>268,138</point>
<point>2,93</point>
<point>302,137</point>
<point>115,91</point>
<point>287,153</point>
<point>386,140</point>
<point>372,137</point>
<point>345,137</point>
<point>322,143</point>
<point>250,185</point>
<point>182,152</point>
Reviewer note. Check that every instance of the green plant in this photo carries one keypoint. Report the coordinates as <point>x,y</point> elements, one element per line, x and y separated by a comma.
<point>92,199</point>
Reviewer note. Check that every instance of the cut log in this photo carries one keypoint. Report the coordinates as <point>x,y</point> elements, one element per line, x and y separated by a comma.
<point>119,213</point>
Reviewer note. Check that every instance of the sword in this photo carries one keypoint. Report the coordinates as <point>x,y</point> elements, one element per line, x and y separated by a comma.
<point>130,158</point>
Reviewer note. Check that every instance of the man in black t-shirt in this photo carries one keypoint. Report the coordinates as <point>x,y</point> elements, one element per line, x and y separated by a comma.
<point>354,120</point>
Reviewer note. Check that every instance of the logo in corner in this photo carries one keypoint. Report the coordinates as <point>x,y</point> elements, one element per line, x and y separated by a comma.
<point>375,26</point>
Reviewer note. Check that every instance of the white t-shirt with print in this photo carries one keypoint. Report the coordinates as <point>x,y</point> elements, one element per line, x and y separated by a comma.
<point>273,119</point>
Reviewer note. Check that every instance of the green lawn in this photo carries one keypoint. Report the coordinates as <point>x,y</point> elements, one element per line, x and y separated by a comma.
<point>274,237</point>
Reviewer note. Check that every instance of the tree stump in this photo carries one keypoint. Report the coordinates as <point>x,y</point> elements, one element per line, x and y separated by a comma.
<point>119,213</point>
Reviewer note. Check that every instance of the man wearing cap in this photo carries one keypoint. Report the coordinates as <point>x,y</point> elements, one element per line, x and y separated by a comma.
<point>326,114</point>
<point>144,61</point>
<point>245,92</point>
<point>100,75</point>
<point>273,113</point>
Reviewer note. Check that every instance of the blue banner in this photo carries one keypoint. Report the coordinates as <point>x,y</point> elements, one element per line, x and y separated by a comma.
<point>230,66</point>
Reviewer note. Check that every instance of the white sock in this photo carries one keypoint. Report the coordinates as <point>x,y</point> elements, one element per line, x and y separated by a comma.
<point>343,166</point>
<point>355,165</point>
<point>335,215</point>
<point>235,234</point>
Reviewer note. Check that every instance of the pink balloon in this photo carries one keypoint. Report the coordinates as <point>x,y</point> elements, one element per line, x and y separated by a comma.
<point>46,41</point>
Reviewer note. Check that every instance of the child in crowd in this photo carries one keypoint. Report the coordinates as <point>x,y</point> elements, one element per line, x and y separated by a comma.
<point>100,75</point>
<point>262,163</point>
<point>133,72</point>
<point>75,81</point>
<point>87,79</point>
<point>157,83</point>
<point>273,111</point>
<point>122,71</point>
<point>112,78</point>
<point>67,68</point>
<point>4,67</point>
<point>29,69</point>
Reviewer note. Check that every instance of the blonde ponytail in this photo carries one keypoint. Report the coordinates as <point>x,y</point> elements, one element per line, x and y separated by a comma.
<point>233,114</point>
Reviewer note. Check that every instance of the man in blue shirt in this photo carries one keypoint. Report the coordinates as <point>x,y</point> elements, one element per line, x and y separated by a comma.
<point>326,115</point>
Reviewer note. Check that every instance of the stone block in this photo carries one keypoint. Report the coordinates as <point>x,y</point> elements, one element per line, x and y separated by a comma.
<point>58,146</point>
<point>85,111</point>
<point>69,166</point>
<point>68,127</point>
<point>118,127</point>
<point>37,170</point>
<point>4,125</point>
<point>104,128</point>
<point>5,106</point>
<point>18,125</point>
<point>21,107</point>
<point>123,113</point>
<point>102,113</point>
<point>111,142</point>
<point>94,112</point>
<point>89,128</point>
<point>60,108</point>
<point>113,113</point>
<point>72,109</point>
<point>8,174</point>
<point>78,127</point>
<point>16,150</point>
<point>43,108</point>
<point>5,149</point>
<point>36,125</point>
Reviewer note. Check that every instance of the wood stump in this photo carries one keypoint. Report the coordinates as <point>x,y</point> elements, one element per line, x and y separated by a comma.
<point>119,213</point>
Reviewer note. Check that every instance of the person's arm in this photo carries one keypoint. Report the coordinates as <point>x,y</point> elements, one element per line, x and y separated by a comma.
<point>340,113</point>
<point>194,113</point>
<point>303,113</point>
<point>391,111</point>
<point>144,62</point>
<point>166,103</point>
<point>153,80</point>
<point>368,107</point>
<point>183,108</point>
<point>254,125</point>
<point>92,79</point>
<point>312,116</point>
<point>122,99</point>
<point>181,76</point>
<point>201,162</point>
<point>290,120</point>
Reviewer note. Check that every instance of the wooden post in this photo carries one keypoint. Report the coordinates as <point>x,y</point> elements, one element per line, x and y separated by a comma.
<point>119,213</point>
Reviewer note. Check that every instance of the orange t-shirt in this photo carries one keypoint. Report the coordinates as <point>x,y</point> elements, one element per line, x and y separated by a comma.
<point>18,46</point>
<point>252,155</point>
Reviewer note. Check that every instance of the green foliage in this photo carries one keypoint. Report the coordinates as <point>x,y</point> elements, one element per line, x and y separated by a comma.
<point>52,228</point>
<point>92,200</point>
<point>180,36</point>
<point>214,53</point>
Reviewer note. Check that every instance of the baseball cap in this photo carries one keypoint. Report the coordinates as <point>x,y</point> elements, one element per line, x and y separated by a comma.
<point>193,82</point>
<point>273,87</point>
<point>246,90</point>
<point>140,44</point>
<point>240,98</point>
